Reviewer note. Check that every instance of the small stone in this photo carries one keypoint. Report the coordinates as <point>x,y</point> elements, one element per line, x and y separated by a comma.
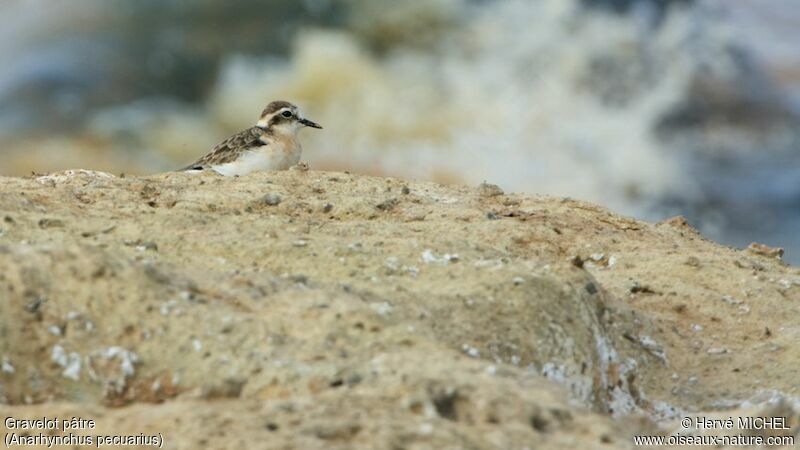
<point>327,208</point>
<point>489,190</point>
<point>383,308</point>
<point>471,351</point>
<point>230,387</point>
<point>147,246</point>
<point>50,223</point>
<point>637,288</point>
<point>730,300</point>
<point>429,257</point>
<point>392,263</point>
<point>271,199</point>
<point>387,205</point>
<point>302,166</point>
<point>765,250</point>
<point>141,245</point>
<point>405,190</point>
<point>354,379</point>
<point>299,279</point>
<point>677,222</point>
<point>692,261</point>
<point>6,366</point>
<point>717,351</point>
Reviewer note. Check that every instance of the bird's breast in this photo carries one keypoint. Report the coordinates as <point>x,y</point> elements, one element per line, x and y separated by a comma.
<point>284,151</point>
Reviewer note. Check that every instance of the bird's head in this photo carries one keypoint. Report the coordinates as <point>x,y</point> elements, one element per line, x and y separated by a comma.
<point>284,118</point>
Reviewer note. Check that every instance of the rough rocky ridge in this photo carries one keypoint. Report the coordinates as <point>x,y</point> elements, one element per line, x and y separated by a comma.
<point>307,309</point>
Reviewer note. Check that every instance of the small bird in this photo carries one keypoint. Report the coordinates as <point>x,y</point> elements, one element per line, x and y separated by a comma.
<point>270,145</point>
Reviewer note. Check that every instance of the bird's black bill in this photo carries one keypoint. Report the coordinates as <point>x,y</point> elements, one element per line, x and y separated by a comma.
<point>309,123</point>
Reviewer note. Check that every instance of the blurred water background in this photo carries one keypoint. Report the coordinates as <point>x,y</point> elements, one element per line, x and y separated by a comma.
<point>650,107</point>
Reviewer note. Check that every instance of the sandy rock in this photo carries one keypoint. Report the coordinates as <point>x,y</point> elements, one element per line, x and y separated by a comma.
<point>189,304</point>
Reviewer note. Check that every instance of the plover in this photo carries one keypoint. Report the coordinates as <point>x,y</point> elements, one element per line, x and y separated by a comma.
<point>270,145</point>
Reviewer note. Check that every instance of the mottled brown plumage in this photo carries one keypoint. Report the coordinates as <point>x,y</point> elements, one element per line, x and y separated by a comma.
<point>230,149</point>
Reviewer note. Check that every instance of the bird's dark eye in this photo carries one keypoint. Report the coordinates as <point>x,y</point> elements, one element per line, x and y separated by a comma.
<point>287,114</point>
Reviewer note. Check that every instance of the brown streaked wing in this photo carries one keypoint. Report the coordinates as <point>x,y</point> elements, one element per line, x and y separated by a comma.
<point>230,149</point>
